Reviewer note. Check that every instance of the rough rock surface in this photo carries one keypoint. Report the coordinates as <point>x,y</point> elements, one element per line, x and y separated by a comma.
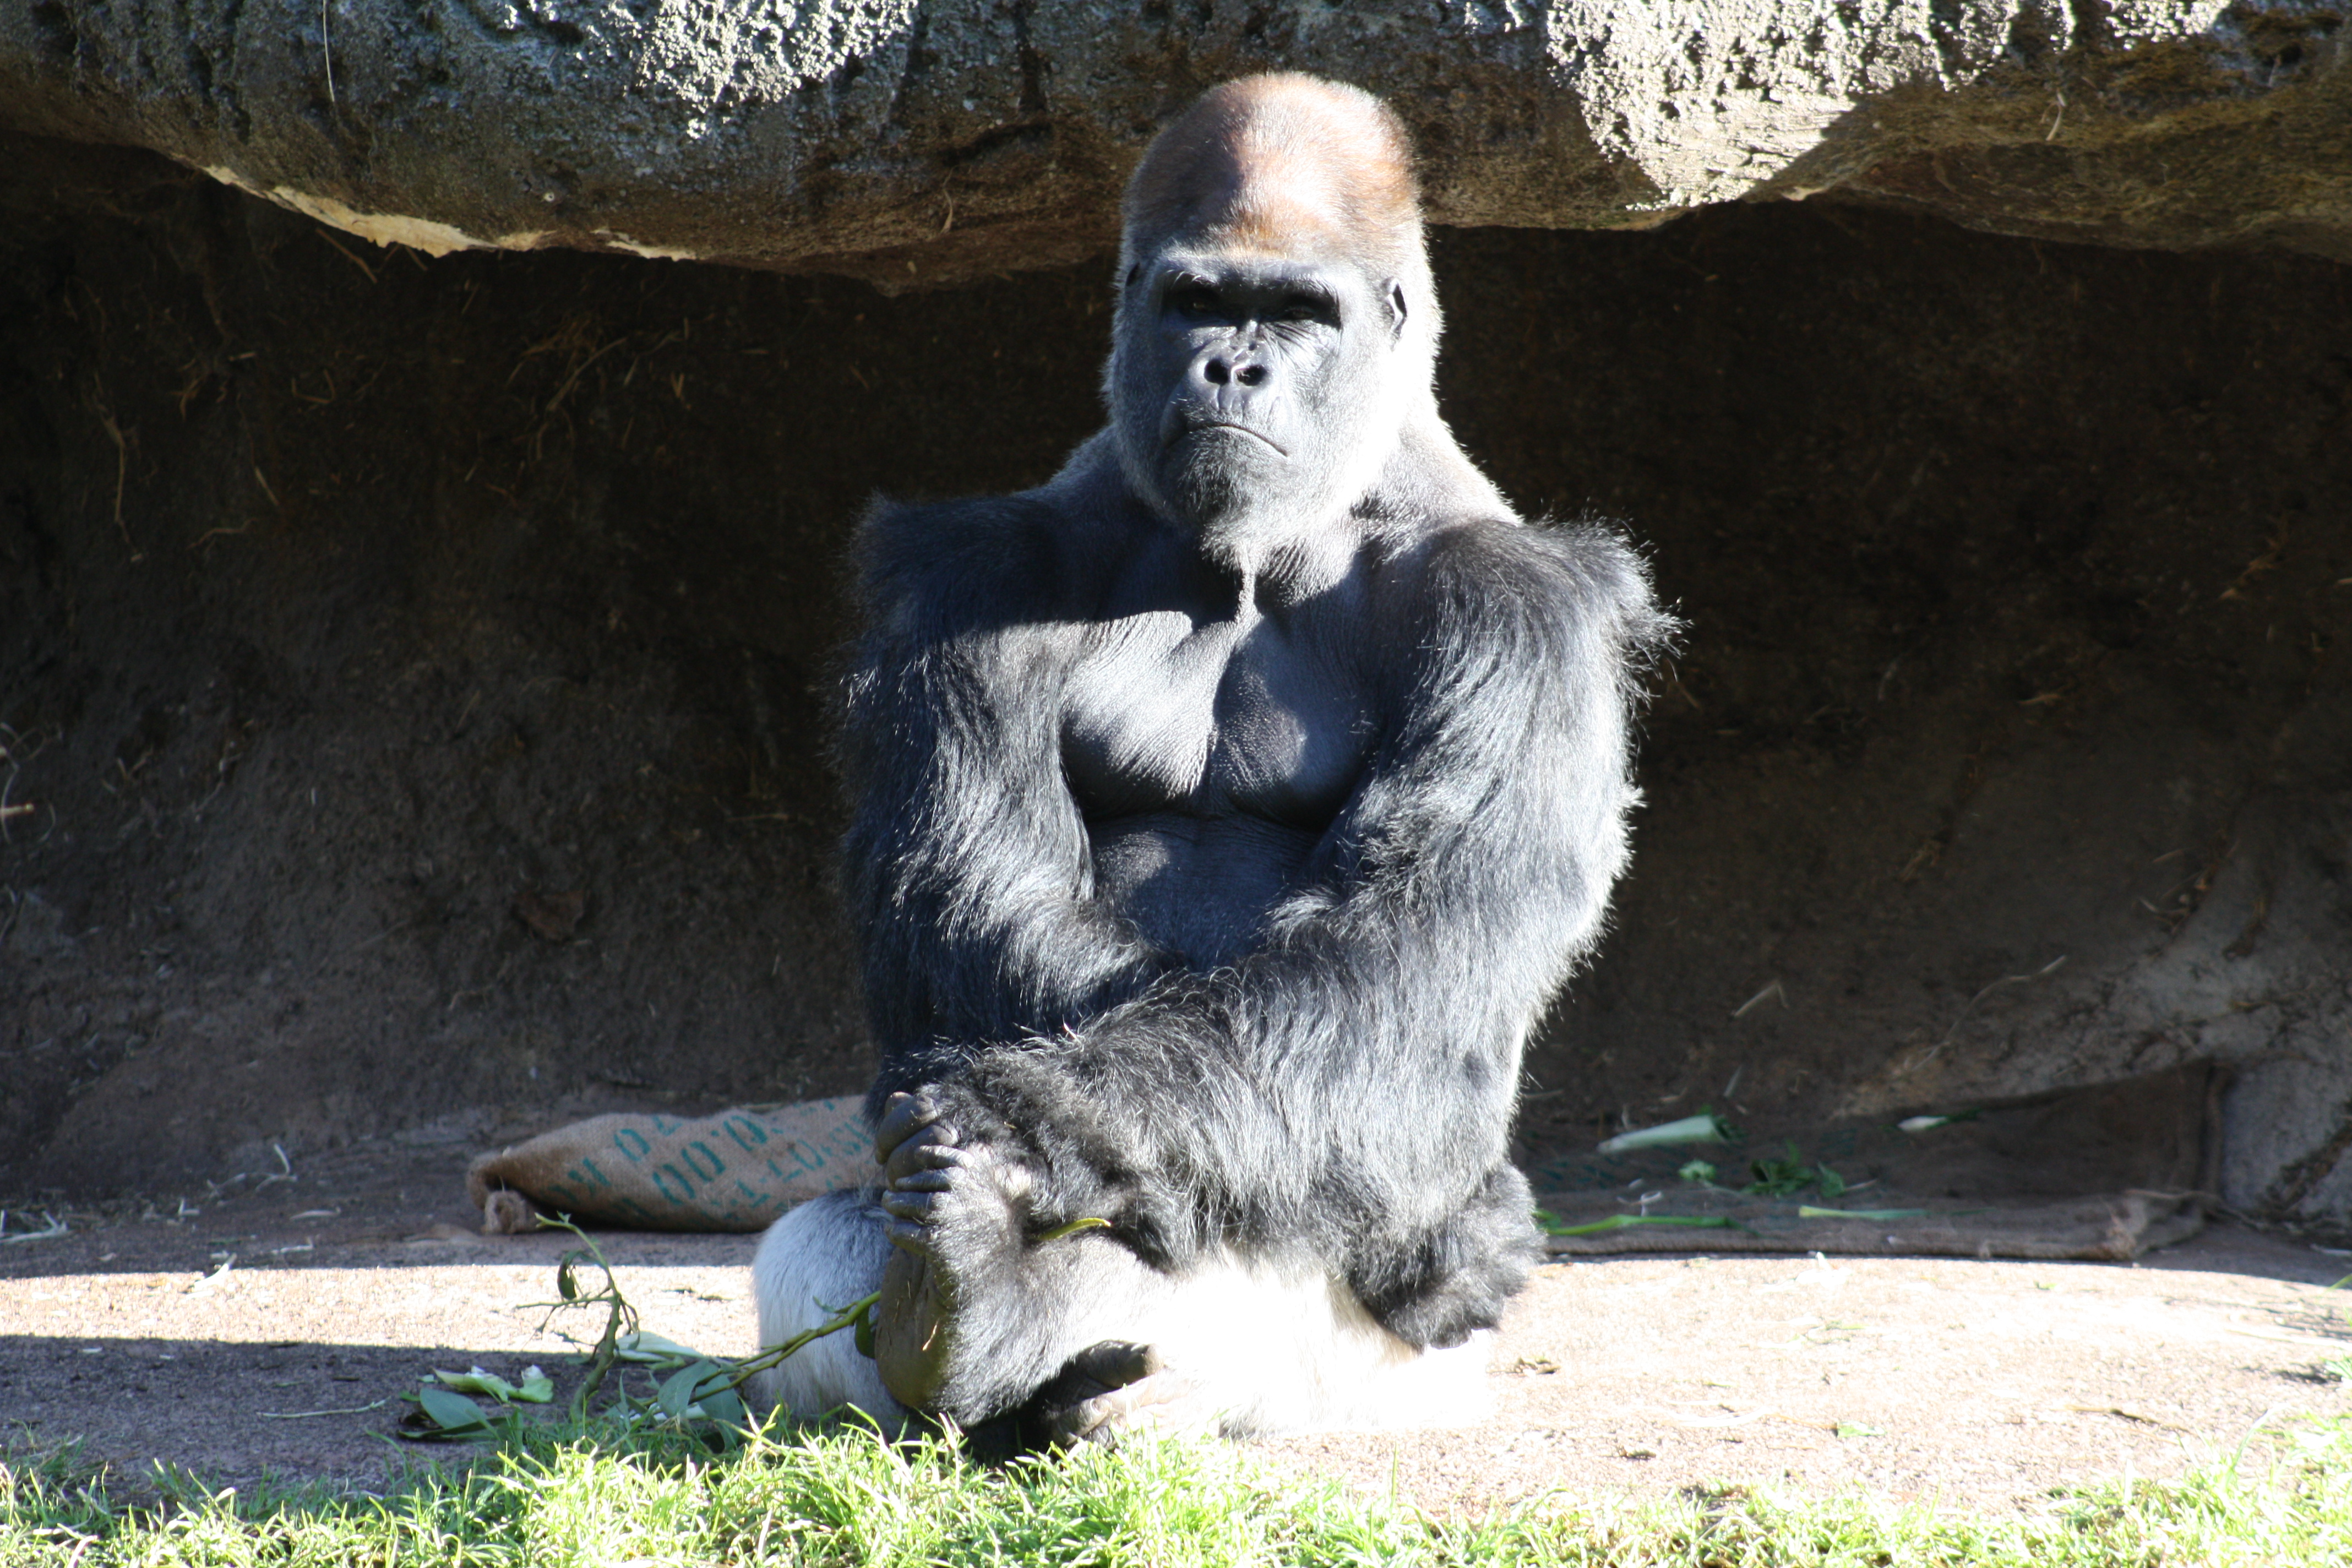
<point>915,142</point>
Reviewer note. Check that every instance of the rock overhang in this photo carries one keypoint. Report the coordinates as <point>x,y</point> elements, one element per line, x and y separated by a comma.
<point>917,142</point>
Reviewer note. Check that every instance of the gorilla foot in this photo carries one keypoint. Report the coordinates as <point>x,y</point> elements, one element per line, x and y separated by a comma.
<point>911,1344</point>
<point>956,1214</point>
<point>1110,1389</point>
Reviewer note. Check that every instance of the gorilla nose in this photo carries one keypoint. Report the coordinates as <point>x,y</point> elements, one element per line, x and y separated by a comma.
<point>1231,369</point>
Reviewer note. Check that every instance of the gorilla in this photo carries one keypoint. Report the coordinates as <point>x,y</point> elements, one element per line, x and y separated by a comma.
<point>1227,811</point>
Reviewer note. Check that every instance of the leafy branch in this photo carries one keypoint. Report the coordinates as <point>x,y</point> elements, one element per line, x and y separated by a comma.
<point>687,1389</point>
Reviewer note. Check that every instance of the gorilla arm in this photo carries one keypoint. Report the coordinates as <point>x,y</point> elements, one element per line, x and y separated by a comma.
<point>968,864</point>
<point>1343,1094</point>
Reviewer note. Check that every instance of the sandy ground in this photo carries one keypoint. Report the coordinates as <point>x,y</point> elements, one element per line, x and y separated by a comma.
<point>1964,1381</point>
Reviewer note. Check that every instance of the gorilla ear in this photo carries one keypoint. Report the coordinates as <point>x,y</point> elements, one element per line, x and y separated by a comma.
<point>1396,308</point>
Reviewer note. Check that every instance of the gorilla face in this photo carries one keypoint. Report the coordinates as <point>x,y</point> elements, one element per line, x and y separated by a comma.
<point>1254,388</point>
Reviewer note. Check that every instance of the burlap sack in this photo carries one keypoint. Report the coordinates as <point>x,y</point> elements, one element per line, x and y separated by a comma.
<point>734,1171</point>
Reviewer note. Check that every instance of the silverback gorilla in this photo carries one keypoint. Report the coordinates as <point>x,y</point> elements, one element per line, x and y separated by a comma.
<point>1227,811</point>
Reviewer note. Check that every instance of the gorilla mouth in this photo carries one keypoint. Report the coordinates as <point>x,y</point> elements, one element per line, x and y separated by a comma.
<point>1203,427</point>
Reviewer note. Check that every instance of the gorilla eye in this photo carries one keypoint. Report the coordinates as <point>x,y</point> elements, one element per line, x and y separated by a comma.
<point>1305,305</point>
<point>1194,302</point>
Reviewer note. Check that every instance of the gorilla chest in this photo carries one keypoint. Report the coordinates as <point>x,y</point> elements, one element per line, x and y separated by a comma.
<point>1243,717</point>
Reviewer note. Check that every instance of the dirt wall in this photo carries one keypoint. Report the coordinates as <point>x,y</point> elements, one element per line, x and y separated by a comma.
<point>416,671</point>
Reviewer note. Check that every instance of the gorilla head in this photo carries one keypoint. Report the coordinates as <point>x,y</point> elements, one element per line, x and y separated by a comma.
<point>1276,324</point>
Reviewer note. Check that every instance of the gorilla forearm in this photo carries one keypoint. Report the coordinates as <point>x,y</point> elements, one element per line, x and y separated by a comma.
<point>1458,1277</point>
<point>1401,1186</point>
<point>1352,1118</point>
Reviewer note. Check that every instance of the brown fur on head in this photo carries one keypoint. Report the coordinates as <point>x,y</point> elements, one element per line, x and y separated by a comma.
<point>1311,183</point>
<point>1284,164</point>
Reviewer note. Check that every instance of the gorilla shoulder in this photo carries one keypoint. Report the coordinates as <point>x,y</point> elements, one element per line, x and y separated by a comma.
<point>946,568</point>
<point>1496,587</point>
<point>981,563</point>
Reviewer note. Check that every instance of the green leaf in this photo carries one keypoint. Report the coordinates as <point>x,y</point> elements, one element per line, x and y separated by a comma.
<point>644,1346</point>
<point>536,1387</point>
<point>864,1334</point>
<point>1807,1211</point>
<point>457,1416</point>
<point>1549,1223</point>
<point>726,1404</point>
<point>1831,1184</point>
<point>567,1282</point>
<point>1704,1127</point>
<point>1778,1178</point>
<point>678,1390</point>
<point>478,1381</point>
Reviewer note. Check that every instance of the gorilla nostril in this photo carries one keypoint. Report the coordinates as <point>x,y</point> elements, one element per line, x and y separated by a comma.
<point>1217,372</point>
<point>1252,375</point>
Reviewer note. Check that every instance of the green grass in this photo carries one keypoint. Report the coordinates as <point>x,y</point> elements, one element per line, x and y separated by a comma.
<point>840,1495</point>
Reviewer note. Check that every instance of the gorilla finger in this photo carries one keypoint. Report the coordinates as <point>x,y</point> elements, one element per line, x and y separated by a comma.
<point>1115,1363</point>
<point>1162,1399</point>
<point>920,1207</point>
<point>1081,1423</point>
<point>1099,1420</point>
<point>923,1151</point>
<point>903,1115</point>
<point>923,1182</point>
